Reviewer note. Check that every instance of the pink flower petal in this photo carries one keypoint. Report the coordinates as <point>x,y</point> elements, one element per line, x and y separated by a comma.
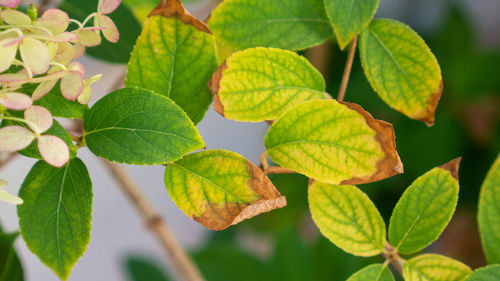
<point>78,67</point>
<point>42,89</point>
<point>72,85</point>
<point>8,53</point>
<point>40,117</point>
<point>89,38</point>
<point>13,77</point>
<point>55,20</point>
<point>35,55</point>
<point>14,17</point>
<point>9,3</point>
<point>107,6</point>
<point>14,138</point>
<point>64,37</point>
<point>110,31</point>
<point>53,150</point>
<point>65,53</point>
<point>15,101</point>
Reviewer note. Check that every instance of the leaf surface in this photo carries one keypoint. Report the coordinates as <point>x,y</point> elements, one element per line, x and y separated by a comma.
<point>401,69</point>
<point>219,188</point>
<point>348,218</point>
<point>10,266</point>
<point>175,57</point>
<point>259,84</point>
<point>488,273</point>
<point>138,126</point>
<point>349,18</point>
<point>432,267</point>
<point>373,272</point>
<point>55,219</point>
<point>489,213</point>
<point>290,24</point>
<point>425,209</point>
<point>338,143</point>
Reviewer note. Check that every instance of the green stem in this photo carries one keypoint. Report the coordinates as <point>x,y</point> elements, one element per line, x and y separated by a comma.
<point>391,255</point>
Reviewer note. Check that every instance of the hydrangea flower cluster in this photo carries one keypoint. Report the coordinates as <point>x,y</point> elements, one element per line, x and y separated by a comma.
<point>43,51</point>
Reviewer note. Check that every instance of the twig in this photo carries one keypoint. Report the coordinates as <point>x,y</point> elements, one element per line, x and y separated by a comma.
<point>347,69</point>
<point>11,156</point>
<point>181,261</point>
<point>391,255</point>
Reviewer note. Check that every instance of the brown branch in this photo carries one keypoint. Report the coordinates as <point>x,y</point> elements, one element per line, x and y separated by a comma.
<point>347,69</point>
<point>392,256</point>
<point>182,263</point>
<point>11,156</point>
<point>278,170</point>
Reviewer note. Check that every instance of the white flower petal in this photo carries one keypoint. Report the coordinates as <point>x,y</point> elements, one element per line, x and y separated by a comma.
<point>40,117</point>
<point>9,198</point>
<point>14,17</point>
<point>14,138</point>
<point>72,85</point>
<point>15,101</point>
<point>89,38</point>
<point>35,55</point>
<point>8,51</point>
<point>110,31</point>
<point>55,20</point>
<point>107,6</point>
<point>53,150</point>
<point>42,89</point>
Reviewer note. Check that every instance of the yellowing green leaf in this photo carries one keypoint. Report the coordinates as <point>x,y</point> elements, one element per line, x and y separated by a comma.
<point>373,272</point>
<point>432,267</point>
<point>55,218</point>
<point>219,188</point>
<point>333,142</point>
<point>175,57</point>
<point>488,273</point>
<point>261,83</point>
<point>425,209</point>
<point>401,68</point>
<point>489,213</point>
<point>348,218</point>
<point>290,24</point>
<point>350,17</point>
<point>137,126</point>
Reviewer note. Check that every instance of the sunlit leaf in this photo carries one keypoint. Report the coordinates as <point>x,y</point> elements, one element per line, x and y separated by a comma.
<point>348,218</point>
<point>425,209</point>
<point>334,143</point>
<point>349,18</point>
<point>175,57</point>
<point>489,214</point>
<point>55,218</point>
<point>488,273</point>
<point>261,83</point>
<point>432,267</point>
<point>374,272</point>
<point>218,198</point>
<point>137,126</point>
<point>13,138</point>
<point>401,68</point>
<point>291,24</point>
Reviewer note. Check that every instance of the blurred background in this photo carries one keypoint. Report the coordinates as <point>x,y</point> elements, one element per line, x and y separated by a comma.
<point>284,244</point>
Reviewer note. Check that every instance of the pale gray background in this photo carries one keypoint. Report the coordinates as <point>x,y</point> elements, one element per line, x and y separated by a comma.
<point>117,229</point>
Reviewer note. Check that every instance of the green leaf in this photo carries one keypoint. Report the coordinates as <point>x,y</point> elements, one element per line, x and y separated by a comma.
<point>138,126</point>
<point>175,57</point>
<point>488,273</point>
<point>127,25</point>
<point>432,267</point>
<point>141,8</point>
<point>10,266</point>
<point>56,130</point>
<point>349,18</point>
<point>144,269</point>
<point>489,214</point>
<point>290,24</point>
<point>373,272</point>
<point>219,188</point>
<point>55,218</point>
<point>261,83</point>
<point>425,209</point>
<point>348,218</point>
<point>401,68</point>
<point>334,143</point>
<point>56,103</point>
